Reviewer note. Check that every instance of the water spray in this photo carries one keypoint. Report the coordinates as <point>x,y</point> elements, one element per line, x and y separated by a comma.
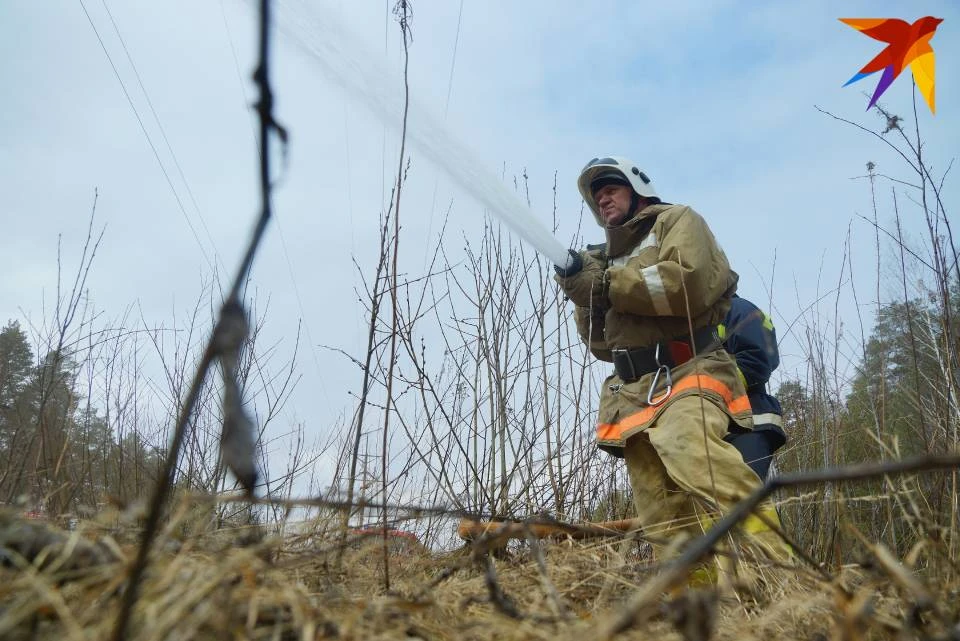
<point>362,75</point>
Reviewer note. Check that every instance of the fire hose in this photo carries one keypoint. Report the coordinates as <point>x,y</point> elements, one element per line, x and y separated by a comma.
<point>503,531</point>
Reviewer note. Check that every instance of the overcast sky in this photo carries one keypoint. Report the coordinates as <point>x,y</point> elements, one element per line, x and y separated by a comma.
<point>715,100</point>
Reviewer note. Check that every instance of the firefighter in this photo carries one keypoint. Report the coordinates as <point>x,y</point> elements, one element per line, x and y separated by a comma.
<point>668,405</point>
<point>749,336</point>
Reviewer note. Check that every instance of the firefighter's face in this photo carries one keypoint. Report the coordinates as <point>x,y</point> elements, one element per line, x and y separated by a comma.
<point>614,203</point>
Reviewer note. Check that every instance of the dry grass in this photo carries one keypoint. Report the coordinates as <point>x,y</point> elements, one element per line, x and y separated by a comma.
<point>230,584</point>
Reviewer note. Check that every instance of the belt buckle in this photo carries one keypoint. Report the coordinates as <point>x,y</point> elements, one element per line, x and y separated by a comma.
<point>626,353</point>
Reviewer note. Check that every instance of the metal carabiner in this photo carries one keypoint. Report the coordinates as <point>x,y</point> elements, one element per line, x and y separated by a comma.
<point>661,369</point>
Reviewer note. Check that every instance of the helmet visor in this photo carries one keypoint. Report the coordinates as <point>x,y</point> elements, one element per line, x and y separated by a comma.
<point>606,177</point>
<point>600,161</point>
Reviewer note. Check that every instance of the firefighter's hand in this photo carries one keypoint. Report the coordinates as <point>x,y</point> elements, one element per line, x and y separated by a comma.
<point>587,287</point>
<point>574,265</point>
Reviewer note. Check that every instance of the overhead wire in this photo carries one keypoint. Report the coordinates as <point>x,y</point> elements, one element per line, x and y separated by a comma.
<point>236,64</point>
<point>146,134</point>
<point>163,134</point>
<point>347,161</point>
<point>453,61</point>
<point>346,145</point>
<point>446,108</point>
<point>383,151</point>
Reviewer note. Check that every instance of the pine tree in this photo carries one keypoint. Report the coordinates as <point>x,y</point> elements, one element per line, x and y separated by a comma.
<point>15,361</point>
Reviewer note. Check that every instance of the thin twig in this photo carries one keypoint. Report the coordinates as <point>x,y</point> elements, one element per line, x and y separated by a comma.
<point>899,242</point>
<point>402,10</point>
<point>553,597</point>
<point>498,597</point>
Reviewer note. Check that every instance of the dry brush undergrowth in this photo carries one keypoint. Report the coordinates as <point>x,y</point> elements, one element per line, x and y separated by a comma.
<point>242,583</point>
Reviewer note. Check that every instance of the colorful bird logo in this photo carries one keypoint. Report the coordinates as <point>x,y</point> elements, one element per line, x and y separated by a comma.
<point>907,44</point>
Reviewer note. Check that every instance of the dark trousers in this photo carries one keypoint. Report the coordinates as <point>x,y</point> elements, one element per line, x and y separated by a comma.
<point>756,447</point>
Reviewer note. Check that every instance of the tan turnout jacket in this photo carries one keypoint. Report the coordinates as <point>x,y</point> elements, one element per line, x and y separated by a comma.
<point>663,266</point>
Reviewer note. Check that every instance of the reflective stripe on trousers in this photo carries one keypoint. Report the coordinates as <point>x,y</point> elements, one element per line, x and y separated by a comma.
<point>768,419</point>
<point>617,431</point>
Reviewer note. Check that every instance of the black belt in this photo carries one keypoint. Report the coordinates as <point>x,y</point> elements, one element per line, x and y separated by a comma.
<point>632,364</point>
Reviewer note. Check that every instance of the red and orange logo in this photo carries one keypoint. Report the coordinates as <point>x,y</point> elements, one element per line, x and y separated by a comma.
<point>907,44</point>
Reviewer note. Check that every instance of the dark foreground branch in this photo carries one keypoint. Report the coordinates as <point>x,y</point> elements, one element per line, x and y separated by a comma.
<point>230,331</point>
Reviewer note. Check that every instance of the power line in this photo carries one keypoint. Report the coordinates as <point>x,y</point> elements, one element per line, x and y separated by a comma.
<point>236,64</point>
<point>446,108</point>
<point>453,61</point>
<point>383,150</point>
<point>346,145</point>
<point>163,133</point>
<point>153,147</point>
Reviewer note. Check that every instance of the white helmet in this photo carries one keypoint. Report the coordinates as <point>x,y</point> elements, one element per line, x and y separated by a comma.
<point>613,167</point>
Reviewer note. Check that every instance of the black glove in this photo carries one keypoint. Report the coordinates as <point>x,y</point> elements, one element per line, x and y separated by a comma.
<point>585,282</point>
<point>573,266</point>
